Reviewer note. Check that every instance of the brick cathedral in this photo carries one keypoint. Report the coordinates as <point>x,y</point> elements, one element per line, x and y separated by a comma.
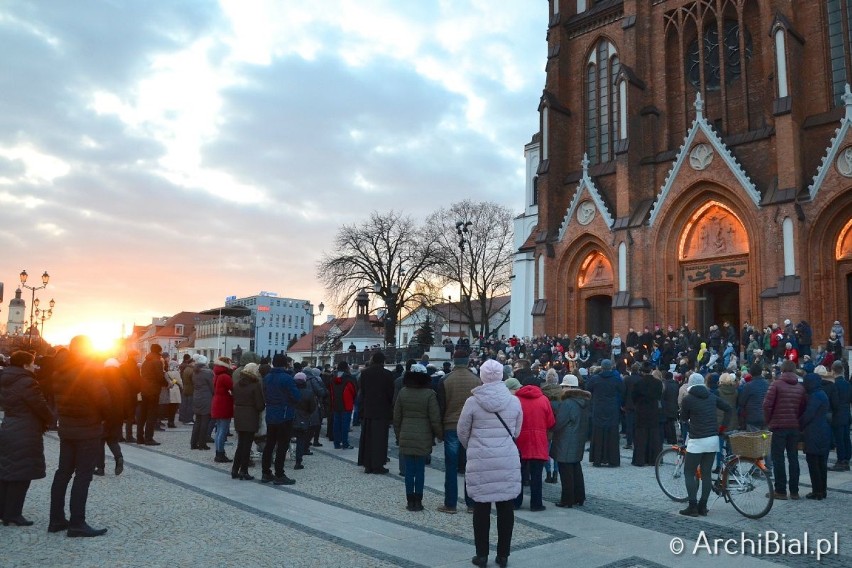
<point>693,164</point>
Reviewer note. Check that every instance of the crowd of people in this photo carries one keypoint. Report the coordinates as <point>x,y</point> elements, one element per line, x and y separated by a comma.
<point>510,413</point>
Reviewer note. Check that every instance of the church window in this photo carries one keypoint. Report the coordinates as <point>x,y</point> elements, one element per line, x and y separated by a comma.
<point>839,20</point>
<point>602,102</point>
<point>535,191</point>
<point>711,53</point>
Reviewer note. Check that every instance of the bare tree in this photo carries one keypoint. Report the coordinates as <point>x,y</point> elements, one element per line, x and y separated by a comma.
<point>476,252</point>
<point>388,254</point>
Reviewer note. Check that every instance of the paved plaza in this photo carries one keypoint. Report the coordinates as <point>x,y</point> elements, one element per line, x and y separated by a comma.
<point>174,507</point>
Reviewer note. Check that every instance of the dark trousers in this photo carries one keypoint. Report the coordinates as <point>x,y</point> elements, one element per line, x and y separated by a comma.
<point>818,470</point>
<point>12,497</point>
<point>415,474</point>
<point>341,429</point>
<point>630,425</point>
<point>276,435</point>
<point>690,465</point>
<point>843,443</point>
<point>303,442</point>
<point>482,527</point>
<point>573,484</point>
<point>148,413</point>
<point>111,435</point>
<point>669,431</point>
<point>170,412</point>
<point>535,468</point>
<point>185,411</point>
<point>786,441</point>
<point>243,453</point>
<point>315,431</point>
<point>77,458</point>
<point>604,447</point>
<point>130,420</point>
<point>200,431</point>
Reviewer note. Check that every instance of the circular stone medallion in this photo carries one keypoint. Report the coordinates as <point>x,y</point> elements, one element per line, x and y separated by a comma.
<point>585,212</point>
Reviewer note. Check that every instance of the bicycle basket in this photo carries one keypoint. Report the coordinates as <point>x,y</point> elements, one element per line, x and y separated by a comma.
<point>751,444</point>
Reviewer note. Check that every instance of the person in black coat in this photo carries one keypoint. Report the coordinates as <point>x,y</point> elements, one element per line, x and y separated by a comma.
<point>647,396</point>
<point>305,409</point>
<point>26,418</point>
<point>607,391</point>
<point>377,399</point>
<point>82,403</point>
<point>670,408</point>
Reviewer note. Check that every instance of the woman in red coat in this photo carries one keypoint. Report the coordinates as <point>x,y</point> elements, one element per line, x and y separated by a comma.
<point>222,406</point>
<point>532,441</point>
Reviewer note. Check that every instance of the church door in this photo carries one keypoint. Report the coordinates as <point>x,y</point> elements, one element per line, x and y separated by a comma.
<point>599,315</point>
<point>721,304</point>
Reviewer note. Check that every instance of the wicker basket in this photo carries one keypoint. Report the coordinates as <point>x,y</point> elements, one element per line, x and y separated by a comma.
<point>751,444</point>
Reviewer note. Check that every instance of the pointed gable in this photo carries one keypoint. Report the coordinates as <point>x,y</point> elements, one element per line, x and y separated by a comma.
<point>586,185</point>
<point>700,124</point>
<point>831,157</point>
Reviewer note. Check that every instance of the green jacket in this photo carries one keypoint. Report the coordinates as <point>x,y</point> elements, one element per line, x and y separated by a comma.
<point>416,417</point>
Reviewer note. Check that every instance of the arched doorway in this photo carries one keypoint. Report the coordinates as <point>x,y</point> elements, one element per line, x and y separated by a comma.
<point>719,302</point>
<point>599,315</point>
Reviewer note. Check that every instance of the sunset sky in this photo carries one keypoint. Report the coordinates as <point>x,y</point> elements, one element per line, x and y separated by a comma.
<point>160,156</point>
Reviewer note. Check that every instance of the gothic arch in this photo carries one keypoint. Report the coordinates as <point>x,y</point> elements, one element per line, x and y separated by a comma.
<point>581,279</point>
<point>686,262</point>
<point>829,250</point>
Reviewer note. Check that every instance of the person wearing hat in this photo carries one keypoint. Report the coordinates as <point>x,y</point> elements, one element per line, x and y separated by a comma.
<point>699,411</point>
<point>202,381</point>
<point>185,369</point>
<point>488,425</point>
<point>342,395</point>
<point>816,435</point>
<point>280,396</point>
<point>321,395</point>
<point>607,390</point>
<point>248,404</point>
<point>840,420</point>
<point>416,422</point>
<point>782,407</point>
<point>453,392</point>
<point>570,433</point>
<point>302,421</point>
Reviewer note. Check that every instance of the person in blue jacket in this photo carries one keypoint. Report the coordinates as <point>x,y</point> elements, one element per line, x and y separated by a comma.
<point>281,395</point>
<point>816,435</point>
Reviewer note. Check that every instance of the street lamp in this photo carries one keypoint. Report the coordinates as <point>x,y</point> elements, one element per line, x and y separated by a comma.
<point>44,279</point>
<point>463,230</point>
<point>45,314</point>
<point>309,309</point>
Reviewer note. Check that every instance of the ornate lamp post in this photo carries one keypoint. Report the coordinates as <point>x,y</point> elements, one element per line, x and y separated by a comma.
<point>44,280</point>
<point>43,315</point>
<point>309,310</point>
<point>463,230</point>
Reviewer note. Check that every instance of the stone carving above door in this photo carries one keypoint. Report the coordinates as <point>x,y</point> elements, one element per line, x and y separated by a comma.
<point>844,162</point>
<point>714,231</point>
<point>596,270</point>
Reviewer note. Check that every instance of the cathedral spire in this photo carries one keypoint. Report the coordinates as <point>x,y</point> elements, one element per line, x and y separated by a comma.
<point>585,164</point>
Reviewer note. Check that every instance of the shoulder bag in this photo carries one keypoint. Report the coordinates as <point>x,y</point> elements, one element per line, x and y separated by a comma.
<point>514,440</point>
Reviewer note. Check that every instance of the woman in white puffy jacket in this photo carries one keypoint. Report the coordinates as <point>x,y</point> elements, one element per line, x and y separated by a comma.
<point>493,472</point>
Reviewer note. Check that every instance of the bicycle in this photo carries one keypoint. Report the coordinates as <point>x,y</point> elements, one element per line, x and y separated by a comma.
<point>743,481</point>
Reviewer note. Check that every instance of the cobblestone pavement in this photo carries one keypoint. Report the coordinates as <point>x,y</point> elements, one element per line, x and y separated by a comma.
<point>175,506</point>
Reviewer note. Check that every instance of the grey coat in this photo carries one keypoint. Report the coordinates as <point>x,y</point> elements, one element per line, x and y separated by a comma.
<point>572,426</point>
<point>202,381</point>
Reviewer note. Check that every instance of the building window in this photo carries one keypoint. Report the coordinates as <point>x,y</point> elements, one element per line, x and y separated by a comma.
<point>535,190</point>
<point>178,329</point>
<point>839,20</point>
<point>715,51</point>
<point>601,102</point>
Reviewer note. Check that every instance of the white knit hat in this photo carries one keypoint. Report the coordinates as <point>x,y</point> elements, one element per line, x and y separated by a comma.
<point>695,379</point>
<point>491,372</point>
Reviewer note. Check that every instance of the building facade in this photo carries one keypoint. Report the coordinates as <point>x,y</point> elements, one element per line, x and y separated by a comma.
<point>695,166</point>
<point>275,323</point>
<point>16,323</point>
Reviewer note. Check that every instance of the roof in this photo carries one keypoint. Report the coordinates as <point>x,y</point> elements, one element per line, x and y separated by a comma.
<point>451,312</point>
<point>187,319</point>
<point>700,124</point>
<point>307,343</point>
<point>587,184</point>
<point>834,147</point>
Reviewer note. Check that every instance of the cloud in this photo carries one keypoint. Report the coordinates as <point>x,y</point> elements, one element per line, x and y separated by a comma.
<point>156,157</point>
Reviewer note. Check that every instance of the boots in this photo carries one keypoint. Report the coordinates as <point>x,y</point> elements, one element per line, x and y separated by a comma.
<point>702,507</point>
<point>418,501</point>
<point>119,465</point>
<point>840,466</point>
<point>691,511</point>
<point>548,478</point>
<point>235,472</point>
<point>221,458</point>
<point>245,475</point>
<point>411,502</point>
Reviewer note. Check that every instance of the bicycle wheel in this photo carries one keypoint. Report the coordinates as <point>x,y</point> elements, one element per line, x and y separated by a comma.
<point>669,470</point>
<point>748,488</point>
